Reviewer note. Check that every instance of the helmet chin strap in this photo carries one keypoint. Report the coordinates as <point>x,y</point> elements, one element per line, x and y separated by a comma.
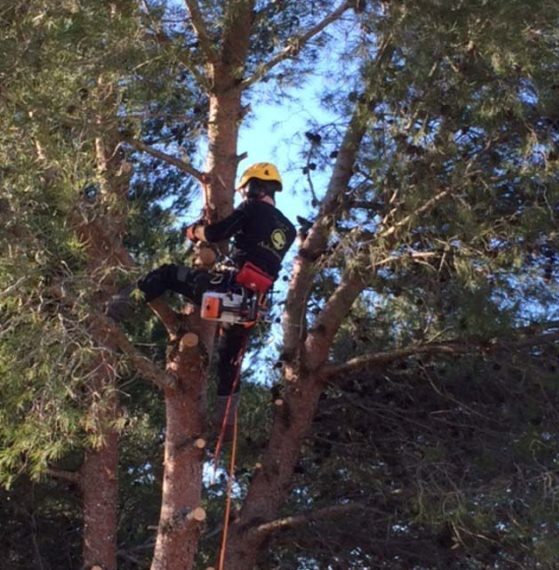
<point>267,199</point>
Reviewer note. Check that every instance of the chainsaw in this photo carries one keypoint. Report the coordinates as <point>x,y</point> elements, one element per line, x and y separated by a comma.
<point>230,307</point>
<point>244,307</point>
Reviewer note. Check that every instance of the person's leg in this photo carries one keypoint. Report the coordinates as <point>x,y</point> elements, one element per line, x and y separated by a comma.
<point>229,352</point>
<point>170,277</point>
<point>177,278</point>
<point>230,345</point>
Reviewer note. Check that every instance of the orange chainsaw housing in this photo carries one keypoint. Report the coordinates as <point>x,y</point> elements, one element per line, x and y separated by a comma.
<point>211,307</point>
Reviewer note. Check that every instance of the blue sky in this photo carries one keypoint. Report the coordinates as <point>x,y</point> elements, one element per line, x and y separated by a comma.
<point>275,133</point>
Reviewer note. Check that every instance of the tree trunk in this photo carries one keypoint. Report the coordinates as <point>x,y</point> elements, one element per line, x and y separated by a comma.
<point>225,111</point>
<point>181,513</point>
<point>98,480</point>
<point>222,160</point>
<point>271,483</point>
<point>103,241</point>
<point>179,525</point>
<point>100,498</point>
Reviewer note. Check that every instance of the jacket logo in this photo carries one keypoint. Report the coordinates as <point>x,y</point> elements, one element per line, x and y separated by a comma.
<point>278,239</point>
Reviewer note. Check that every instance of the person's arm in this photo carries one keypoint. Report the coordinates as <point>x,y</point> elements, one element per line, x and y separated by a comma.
<point>223,229</point>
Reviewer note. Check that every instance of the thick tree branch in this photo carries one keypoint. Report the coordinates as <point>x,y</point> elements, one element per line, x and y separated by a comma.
<point>201,30</point>
<point>451,347</point>
<point>330,318</point>
<point>140,362</point>
<point>294,322</point>
<point>295,44</point>
<point>167,316</point>
<point>169,159</point>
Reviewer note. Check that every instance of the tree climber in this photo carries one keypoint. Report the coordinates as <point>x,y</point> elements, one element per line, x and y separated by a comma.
<point>262,235</point>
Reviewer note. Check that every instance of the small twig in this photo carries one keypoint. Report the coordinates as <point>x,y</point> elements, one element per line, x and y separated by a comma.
<point>421,210</point>
<point>201,30</point>
<point>294,44</point>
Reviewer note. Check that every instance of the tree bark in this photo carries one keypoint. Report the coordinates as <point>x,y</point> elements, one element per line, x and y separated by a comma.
<point>99,481</point>
<point>181,515</point>
<point>103,241</point>
<point>225,108</point>
<point>271,483</point>
<point>179,531</point>
<point>305,352</point>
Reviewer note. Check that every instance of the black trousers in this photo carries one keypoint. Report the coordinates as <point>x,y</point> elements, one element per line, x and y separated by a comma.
<point>190,282</point>
<point>193,283</point>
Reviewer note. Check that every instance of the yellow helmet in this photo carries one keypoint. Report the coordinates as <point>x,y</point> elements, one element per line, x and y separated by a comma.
<point>260,170</point>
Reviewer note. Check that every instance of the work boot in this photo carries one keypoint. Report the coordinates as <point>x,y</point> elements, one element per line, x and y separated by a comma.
<point>219,414</point>
<point>119,307</point>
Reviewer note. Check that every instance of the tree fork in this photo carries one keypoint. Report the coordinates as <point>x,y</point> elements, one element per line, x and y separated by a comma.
<point>270,485</point>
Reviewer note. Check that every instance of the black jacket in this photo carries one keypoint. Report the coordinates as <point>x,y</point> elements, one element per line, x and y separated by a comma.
<point>261,234</point>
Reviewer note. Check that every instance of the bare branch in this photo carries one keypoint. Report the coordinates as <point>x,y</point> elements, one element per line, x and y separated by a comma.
<point>166,315</point>
<point>140,362</point>
<point>451,347</point>
<point>417,256</point>
<point>305,518</point>
<point>331,317</point>
<point>295,44</point>
<point>176,162</point>
<point>201,30</point>
<point>14,287</point>
<point>421,210</point>
<point>70,476</point>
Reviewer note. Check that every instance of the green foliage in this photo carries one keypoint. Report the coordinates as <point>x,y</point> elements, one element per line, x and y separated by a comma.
<point>454,460</point>
<point>40,525</point>
<point>451,460</point>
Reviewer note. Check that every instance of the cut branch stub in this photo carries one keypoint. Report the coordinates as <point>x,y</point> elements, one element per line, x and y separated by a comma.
<point>200,443</point>
<point>198,514</point>
<point>189,340</point>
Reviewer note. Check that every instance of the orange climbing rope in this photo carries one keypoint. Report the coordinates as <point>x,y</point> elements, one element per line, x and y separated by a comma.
<point>221,437</point>
<point>232,461</point>
<point>223,548</point>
